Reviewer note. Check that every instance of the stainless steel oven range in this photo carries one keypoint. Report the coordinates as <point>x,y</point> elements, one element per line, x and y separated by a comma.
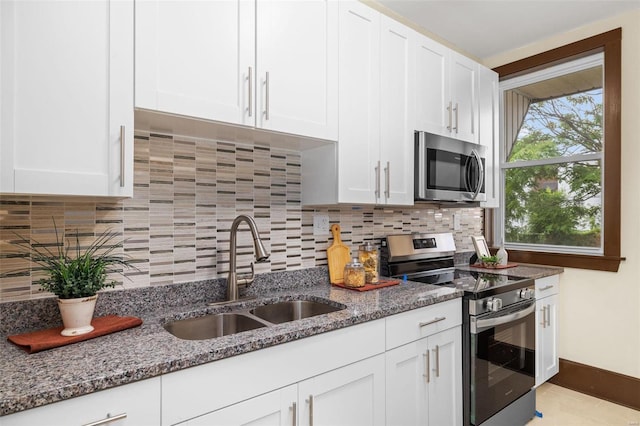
<point>498,328</point>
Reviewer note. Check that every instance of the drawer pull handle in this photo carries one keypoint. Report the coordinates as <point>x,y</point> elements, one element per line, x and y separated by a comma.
<point>108,420</point>
<point>546,288</point>
<point>433,321</point>
<point>310,400</point>
<point>122,155</point>
<point>437,361</point>
<point>295,413</point>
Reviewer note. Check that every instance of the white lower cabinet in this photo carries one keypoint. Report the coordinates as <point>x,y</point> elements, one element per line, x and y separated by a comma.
<point>136,404</point>
<point>277,408</point>
<point>350,396</point>
<point>424,381</point>
<point>547,359</point>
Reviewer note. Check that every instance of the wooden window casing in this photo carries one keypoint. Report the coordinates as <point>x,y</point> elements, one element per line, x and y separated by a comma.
<point>609,43</point>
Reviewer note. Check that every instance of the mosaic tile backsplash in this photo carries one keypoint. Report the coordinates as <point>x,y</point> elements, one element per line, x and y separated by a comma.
<point>186,194</point>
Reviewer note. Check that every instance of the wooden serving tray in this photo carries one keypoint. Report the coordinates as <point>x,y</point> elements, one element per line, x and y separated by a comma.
<point>367,287</point>
<point>481,266</point>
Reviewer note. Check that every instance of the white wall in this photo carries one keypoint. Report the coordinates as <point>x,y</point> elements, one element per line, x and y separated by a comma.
<point>600,311</point>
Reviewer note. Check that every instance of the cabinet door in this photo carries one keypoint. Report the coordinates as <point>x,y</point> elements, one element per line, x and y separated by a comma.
<point>464,95</point>
<point>350,396</point>
<point>135,404</point>
<point>195,58</point>
<point>488,134</point>
<point>359,145</point>
<point>397,111</point>
<point>67,97</point>
<point>547,362</point>
<point>297,47</point>
<point>445,386</point>
<point>274,408</point>
<point>407,384</point>
<point>433,109</point>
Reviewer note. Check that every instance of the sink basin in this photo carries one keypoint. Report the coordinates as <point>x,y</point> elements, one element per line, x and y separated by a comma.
<point>210,326</point>
<point>292,310</point>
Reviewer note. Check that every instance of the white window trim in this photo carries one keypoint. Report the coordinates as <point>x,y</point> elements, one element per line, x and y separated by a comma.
<point>498,217</point>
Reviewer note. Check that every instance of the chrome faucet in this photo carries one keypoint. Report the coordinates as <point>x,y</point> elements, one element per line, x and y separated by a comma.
<point>261,255</point>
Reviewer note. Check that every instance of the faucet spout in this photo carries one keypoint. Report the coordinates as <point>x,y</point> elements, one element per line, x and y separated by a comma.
<point>260,254</point>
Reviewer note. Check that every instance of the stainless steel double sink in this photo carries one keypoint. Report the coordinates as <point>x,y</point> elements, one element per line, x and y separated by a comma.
<point>226,323</point>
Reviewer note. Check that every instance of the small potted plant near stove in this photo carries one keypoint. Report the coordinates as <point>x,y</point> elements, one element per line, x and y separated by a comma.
<point>75,276</point>
<point>489,261</point>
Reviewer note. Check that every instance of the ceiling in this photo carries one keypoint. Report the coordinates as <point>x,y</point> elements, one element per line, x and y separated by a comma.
<point>484,28</point>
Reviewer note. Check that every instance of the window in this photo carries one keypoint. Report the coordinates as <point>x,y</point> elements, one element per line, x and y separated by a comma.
<point>561,156</point>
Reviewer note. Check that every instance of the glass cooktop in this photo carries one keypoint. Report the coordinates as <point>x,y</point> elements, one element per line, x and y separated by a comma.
<point>475,284</point>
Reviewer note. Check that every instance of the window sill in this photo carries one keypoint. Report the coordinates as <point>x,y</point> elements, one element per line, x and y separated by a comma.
<point>578,261</point>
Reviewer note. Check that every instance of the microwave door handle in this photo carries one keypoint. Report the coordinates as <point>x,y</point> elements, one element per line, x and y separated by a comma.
<point>481,325</point>
<point>480,173</point>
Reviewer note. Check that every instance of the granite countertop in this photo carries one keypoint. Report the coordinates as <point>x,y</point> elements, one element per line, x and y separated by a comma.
<point>522,270</point>
<point>29,381</point>
<point>32,380</point>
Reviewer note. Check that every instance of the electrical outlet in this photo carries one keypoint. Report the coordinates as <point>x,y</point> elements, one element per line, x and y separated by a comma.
<point>321,224</point>
<point>456,221</point>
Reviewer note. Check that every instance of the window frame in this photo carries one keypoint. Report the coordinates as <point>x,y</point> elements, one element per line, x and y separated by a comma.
<point>610,43</point>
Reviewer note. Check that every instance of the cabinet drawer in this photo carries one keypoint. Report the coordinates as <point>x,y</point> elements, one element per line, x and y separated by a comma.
<point>133,404</point>
<point>413,325</point>
<point>547,286</point>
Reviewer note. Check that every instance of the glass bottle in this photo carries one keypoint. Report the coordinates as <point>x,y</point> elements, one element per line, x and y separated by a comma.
<point>368,256</point>
<point>354,274</point>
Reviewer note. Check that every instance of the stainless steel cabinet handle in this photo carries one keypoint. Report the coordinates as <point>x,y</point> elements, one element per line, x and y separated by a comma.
<point>294,408</point>
<point>122,165</point>
<point>266,84</point>
<point>377,169</point>
<point>456,110</point>
<point>450,112</point>
<point>426,366</point>
<point>250,78</point>
<point>544,316</point>
<point>433,321</point>
<point>108,420</point>
<point>437,361</point>
<point>549,315</point>
<point>387,185</point>
<point>549,287</point>
<point>310,400</point>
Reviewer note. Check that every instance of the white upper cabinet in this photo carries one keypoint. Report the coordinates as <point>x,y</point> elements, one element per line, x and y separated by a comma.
<point>397,111</point>
<point>432,87</point>
<point>268,64</point>
<point>194,58</point>
<point>446,92</point>
<point>373,160</point>
<point>464,97</point>
<point>359,141</point>
<point>297,67</point>
<point>66,97</point>
<point>488,125</point>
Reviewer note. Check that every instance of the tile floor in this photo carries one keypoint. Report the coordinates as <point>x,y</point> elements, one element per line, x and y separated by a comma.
<point>563,407</point>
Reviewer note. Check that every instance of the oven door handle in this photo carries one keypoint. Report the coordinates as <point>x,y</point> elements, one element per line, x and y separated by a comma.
<point>484,324</point>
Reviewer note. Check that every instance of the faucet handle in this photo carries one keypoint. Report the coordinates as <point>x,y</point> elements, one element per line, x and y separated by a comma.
<point>246,279</point>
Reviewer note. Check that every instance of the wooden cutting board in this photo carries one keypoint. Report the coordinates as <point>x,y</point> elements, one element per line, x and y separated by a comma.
<point>338,255</point>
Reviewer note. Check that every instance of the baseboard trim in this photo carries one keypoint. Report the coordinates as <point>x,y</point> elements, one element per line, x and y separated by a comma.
<point>603,384</point>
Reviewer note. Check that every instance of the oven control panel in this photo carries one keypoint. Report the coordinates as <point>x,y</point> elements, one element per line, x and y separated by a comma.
<point>424,243</point>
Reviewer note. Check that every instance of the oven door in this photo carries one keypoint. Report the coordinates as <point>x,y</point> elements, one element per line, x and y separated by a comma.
<point>502,358</point>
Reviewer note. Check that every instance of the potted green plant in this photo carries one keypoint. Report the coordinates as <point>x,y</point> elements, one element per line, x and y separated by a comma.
<point>490,261</point>
<point>76,275</point>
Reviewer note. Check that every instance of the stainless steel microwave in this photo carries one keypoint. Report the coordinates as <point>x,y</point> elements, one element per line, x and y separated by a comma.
<point>448,169</point>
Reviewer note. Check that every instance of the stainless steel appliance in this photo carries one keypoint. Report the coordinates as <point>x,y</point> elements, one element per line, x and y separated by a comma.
<point>448,169</point>
<point>498,327</point>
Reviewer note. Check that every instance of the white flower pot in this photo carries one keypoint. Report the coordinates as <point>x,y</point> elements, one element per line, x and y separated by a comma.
<point>77,315</point>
